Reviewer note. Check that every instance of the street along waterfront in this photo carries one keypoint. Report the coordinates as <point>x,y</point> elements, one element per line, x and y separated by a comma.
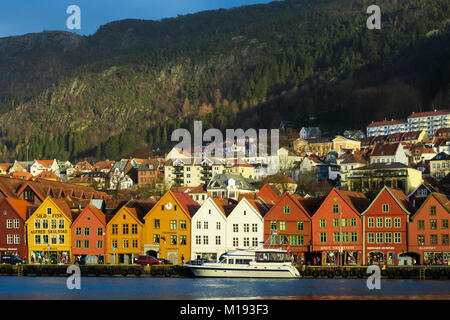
<point>119,288</point>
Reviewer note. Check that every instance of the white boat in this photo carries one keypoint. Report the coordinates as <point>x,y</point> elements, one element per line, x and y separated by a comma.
<point>249,263</point>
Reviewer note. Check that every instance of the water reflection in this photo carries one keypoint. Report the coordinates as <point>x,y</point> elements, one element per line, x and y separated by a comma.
<point>32,288</point>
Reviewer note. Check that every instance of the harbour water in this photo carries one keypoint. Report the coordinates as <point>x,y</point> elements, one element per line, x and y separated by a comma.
<point>116,288</point>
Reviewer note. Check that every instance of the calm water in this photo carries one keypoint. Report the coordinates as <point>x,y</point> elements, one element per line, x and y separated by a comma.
<point>31,288</point>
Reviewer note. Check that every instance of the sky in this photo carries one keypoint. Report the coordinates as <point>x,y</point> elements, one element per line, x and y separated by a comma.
<point>19,17</point>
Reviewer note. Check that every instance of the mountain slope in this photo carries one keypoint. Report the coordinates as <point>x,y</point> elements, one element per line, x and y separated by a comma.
<point>132,82</point>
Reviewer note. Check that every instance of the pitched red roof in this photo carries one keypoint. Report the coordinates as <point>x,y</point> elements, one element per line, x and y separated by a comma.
<point>224,206</point>
<point>269,194</point>
<point>402,198</point>
<point>389,149</point>
<point>188,204</point>
<point>428,113</point>
<point>20,206</point>
<point>386,123</point>
<point>357,200</point>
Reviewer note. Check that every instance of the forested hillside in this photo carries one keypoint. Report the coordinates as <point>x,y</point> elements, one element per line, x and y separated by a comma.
<point>130,84</point>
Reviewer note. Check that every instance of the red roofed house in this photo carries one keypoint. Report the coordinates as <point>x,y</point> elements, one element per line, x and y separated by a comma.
<point>89,235</point>
<point>288,224</point>
<point>13,214</point>
<point>388,153</point>
<point>429,231</point>
<point>337,228</point>
<point>385,225</point>
<point>39,166</point>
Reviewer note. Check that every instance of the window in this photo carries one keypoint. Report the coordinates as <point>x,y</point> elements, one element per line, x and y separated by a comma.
<point>156,224</point>
<point>125,228</point>
<point>246,242</point>
<point>37,239</point>
<point>371,237</point>
<point>235,242</point>
<point>61,224</point>
<point>286,209</point>
<point>370,222</point>
<point>205,240</point>
<point>345,237</point>
<point>156,238</point>
<point>379,222</point>
<point>433,224</point>
<point>45,224</point>
<point>300,226</point>
<point>379,237</point>
<point>254,227</point>
<point>183,225</point>
<point>173,239</point>
<point>134,243</point>
<point>432,211</point>
<point>273,239</point>
<point>114,243</point>
<point>273,225</point>
<point>87,231</point>
<point>37,224</point>
<point>335,208</point>
<point>114,229</point>
<point>49,211</point>
<point>182,240</point>
<point>235,227</point>
<point>353,222</point>
<point>388,237</point>
<point>9,239</point>
<point>283,239</point>
<point>421,239</point>
<point>61,239</point>
<point>134,228</point>
<point>444,223</point>
<point>99,231</point>
<point>335,222</point>
<point>53,224</point>
<point>282,225</point>
<point>323,237</point>
<point>99,244</point>
<point>78,244</point>
<point>218,225</point>
<point>218,242</point>
<point>397,222</point>
<point>296,240</point>
<point>344,222</point>
<point>354,237</point>
<point>205,225</point>
<point>397,237</point>
<point>336,237</point>
<point>173,224</point>
<point>254,241</point>
<point>125,243</point>
<point>434,239</point>
<point>322,223</point>
<point>388,222</point>
<point>385,207</point>
<point>444,239</point>
<point>199,224</point>
<point>198,240</point>
<point>16,223</point>
<point>53,239</point>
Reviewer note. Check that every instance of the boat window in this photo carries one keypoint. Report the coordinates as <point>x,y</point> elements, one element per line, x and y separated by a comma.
<point>272,257</point>
<point>224,260</point>
<point>243,261</point>
<point>230,261</point>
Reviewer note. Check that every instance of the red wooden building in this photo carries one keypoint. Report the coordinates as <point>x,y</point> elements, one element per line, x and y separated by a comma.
<point>385,224</point>
<point>429,232</point>
<point>89,235</point>
<point>288,223</point>
<point>337,228</point>
<point>13,214</point>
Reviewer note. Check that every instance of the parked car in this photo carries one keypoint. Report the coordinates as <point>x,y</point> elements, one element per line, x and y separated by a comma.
<point>6,258</point>
<point>144,260</point>
<point>165,261</point>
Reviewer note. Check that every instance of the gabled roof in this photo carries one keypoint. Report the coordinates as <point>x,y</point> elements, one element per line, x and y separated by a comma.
<point>223,205</point>
<point>441,198</point>
<point>259,206</point>
<point>356,200</point>
<point>63,206</point>
<point>389,149</point>
<point>441,156</point>
<point>188,204</point>
<point>269,194</point>
<point>45,163</point>
<point>20,207</point>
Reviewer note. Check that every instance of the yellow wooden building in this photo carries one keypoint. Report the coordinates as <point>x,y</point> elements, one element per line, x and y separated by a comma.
<point>124,232</point>
<point>167,228</point>
<point>49,233</point>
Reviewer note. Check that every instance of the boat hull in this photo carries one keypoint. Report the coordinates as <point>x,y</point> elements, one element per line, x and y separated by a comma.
<point>221,272</point>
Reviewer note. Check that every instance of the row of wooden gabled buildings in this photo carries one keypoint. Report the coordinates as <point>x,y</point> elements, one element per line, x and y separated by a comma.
<point>343,227</point>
